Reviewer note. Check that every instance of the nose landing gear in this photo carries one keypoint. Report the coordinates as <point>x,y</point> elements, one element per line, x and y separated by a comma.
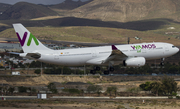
<point>162,62</point>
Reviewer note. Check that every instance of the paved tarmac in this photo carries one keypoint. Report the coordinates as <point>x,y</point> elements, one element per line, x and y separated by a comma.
<point>81,97</point>
<point>86,97</point>
<point>18,97</point>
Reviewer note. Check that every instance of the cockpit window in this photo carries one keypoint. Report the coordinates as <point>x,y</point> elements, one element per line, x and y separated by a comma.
<point>173,46</point>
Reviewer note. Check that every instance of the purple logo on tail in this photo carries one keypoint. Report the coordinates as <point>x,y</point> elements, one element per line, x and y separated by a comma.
<point>22,41</point>
<point>24,38</point>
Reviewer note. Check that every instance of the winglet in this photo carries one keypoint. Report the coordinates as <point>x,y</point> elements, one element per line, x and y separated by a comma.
<point>114,47</point>
<point>116,51</point>
<point>116,54</point>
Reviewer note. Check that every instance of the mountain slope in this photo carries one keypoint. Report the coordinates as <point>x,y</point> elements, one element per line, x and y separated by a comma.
<point>4,7</point>
<point>23,10</point>
<point>128,10</point>
<point>69,4</point>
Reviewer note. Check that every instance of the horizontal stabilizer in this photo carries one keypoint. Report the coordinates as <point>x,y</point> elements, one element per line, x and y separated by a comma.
<point>27,55</point>
<point>15,53</point>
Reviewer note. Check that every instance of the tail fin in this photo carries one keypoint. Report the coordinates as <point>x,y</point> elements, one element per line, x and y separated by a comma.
<point>28,42</point>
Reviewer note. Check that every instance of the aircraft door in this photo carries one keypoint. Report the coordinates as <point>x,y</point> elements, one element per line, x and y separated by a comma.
<point>143,50</point>
<point>166,48</point>
<point>56,56</point>
<point>94,54</point>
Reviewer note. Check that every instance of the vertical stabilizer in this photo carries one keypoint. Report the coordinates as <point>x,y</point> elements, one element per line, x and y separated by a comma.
<point>28,42</point>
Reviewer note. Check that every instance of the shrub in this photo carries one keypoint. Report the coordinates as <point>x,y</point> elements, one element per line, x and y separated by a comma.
<point>52,87</point>
<point>90,82</point>
<point>37,71</point>
<point>33,90</point>
<point>72,91</point>
<point>11,89</point>
<point>120,107</point>
<point>94,89</point>
<point>22,89</point>
<point>134,90</point>
<point>177,97</point>
<point>170,97</point>
<point>166,86</point>
<point>111,90</point>
<point>174,94</point>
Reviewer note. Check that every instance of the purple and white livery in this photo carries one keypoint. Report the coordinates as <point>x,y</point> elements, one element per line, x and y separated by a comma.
<point>130,55</point>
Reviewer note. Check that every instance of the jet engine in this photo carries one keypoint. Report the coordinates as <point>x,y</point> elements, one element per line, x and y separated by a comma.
<point>135,62</point>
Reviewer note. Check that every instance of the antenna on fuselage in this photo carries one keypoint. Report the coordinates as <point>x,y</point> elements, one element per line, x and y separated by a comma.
<point>128,40</point>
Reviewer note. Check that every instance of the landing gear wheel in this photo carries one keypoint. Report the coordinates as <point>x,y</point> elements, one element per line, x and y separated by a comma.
<point>162,64</point>
<point>93,72</point>
<point>111,69</point>
<point>97,68</point>
<point>106,72</point>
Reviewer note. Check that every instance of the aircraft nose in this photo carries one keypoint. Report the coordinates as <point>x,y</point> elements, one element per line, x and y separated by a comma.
<point>177,50</point>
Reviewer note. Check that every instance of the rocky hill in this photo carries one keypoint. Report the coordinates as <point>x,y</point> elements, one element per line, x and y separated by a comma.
<point>23,10</point>
<point>4,7</point>
<point>106,10</point>
<point>69,4</point>
<point>128,10</point>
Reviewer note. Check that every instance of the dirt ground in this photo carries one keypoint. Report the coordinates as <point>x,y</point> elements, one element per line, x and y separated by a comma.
<point>92,104</point>
<point>82,103</point>
<point>105,80</point>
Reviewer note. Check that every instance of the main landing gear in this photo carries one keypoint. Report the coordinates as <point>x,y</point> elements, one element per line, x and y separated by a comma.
<point>96,68</point>
<point>106,72</point>
<point>110,69</point>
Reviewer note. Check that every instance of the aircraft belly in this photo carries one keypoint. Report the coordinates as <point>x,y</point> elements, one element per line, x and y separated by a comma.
<point>71,60</point>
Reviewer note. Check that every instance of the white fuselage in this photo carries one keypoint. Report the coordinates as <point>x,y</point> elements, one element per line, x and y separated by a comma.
<point>96,55</point>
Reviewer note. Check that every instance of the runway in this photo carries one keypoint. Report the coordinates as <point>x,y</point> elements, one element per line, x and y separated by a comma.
<point>83,97</point>
<point>18,97</point>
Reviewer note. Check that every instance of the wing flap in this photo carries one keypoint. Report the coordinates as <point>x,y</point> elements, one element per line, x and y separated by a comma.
<point>96,61</point>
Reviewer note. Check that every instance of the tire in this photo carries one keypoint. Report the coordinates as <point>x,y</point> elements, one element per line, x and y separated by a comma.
<point>111,69</point>
<point>106,72</point>
<point>97,68</point>
<point>92,72</point>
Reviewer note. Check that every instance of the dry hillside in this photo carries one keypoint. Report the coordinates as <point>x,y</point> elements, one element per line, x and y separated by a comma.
<point>24,10</point>
<point>3,7</point>
<point>101,80</point>
<point>69,4</point>
<point>128,10</point>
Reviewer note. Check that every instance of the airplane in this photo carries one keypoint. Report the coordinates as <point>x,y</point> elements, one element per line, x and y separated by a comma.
<point>132,55</point>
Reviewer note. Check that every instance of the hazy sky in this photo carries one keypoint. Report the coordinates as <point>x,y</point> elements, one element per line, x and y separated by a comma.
<point>45,2</point>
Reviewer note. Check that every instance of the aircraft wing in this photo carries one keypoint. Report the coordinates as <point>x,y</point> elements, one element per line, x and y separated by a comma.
<point>116,55</point>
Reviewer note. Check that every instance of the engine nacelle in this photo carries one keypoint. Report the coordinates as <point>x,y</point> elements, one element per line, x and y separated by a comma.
<point>135,62</point>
